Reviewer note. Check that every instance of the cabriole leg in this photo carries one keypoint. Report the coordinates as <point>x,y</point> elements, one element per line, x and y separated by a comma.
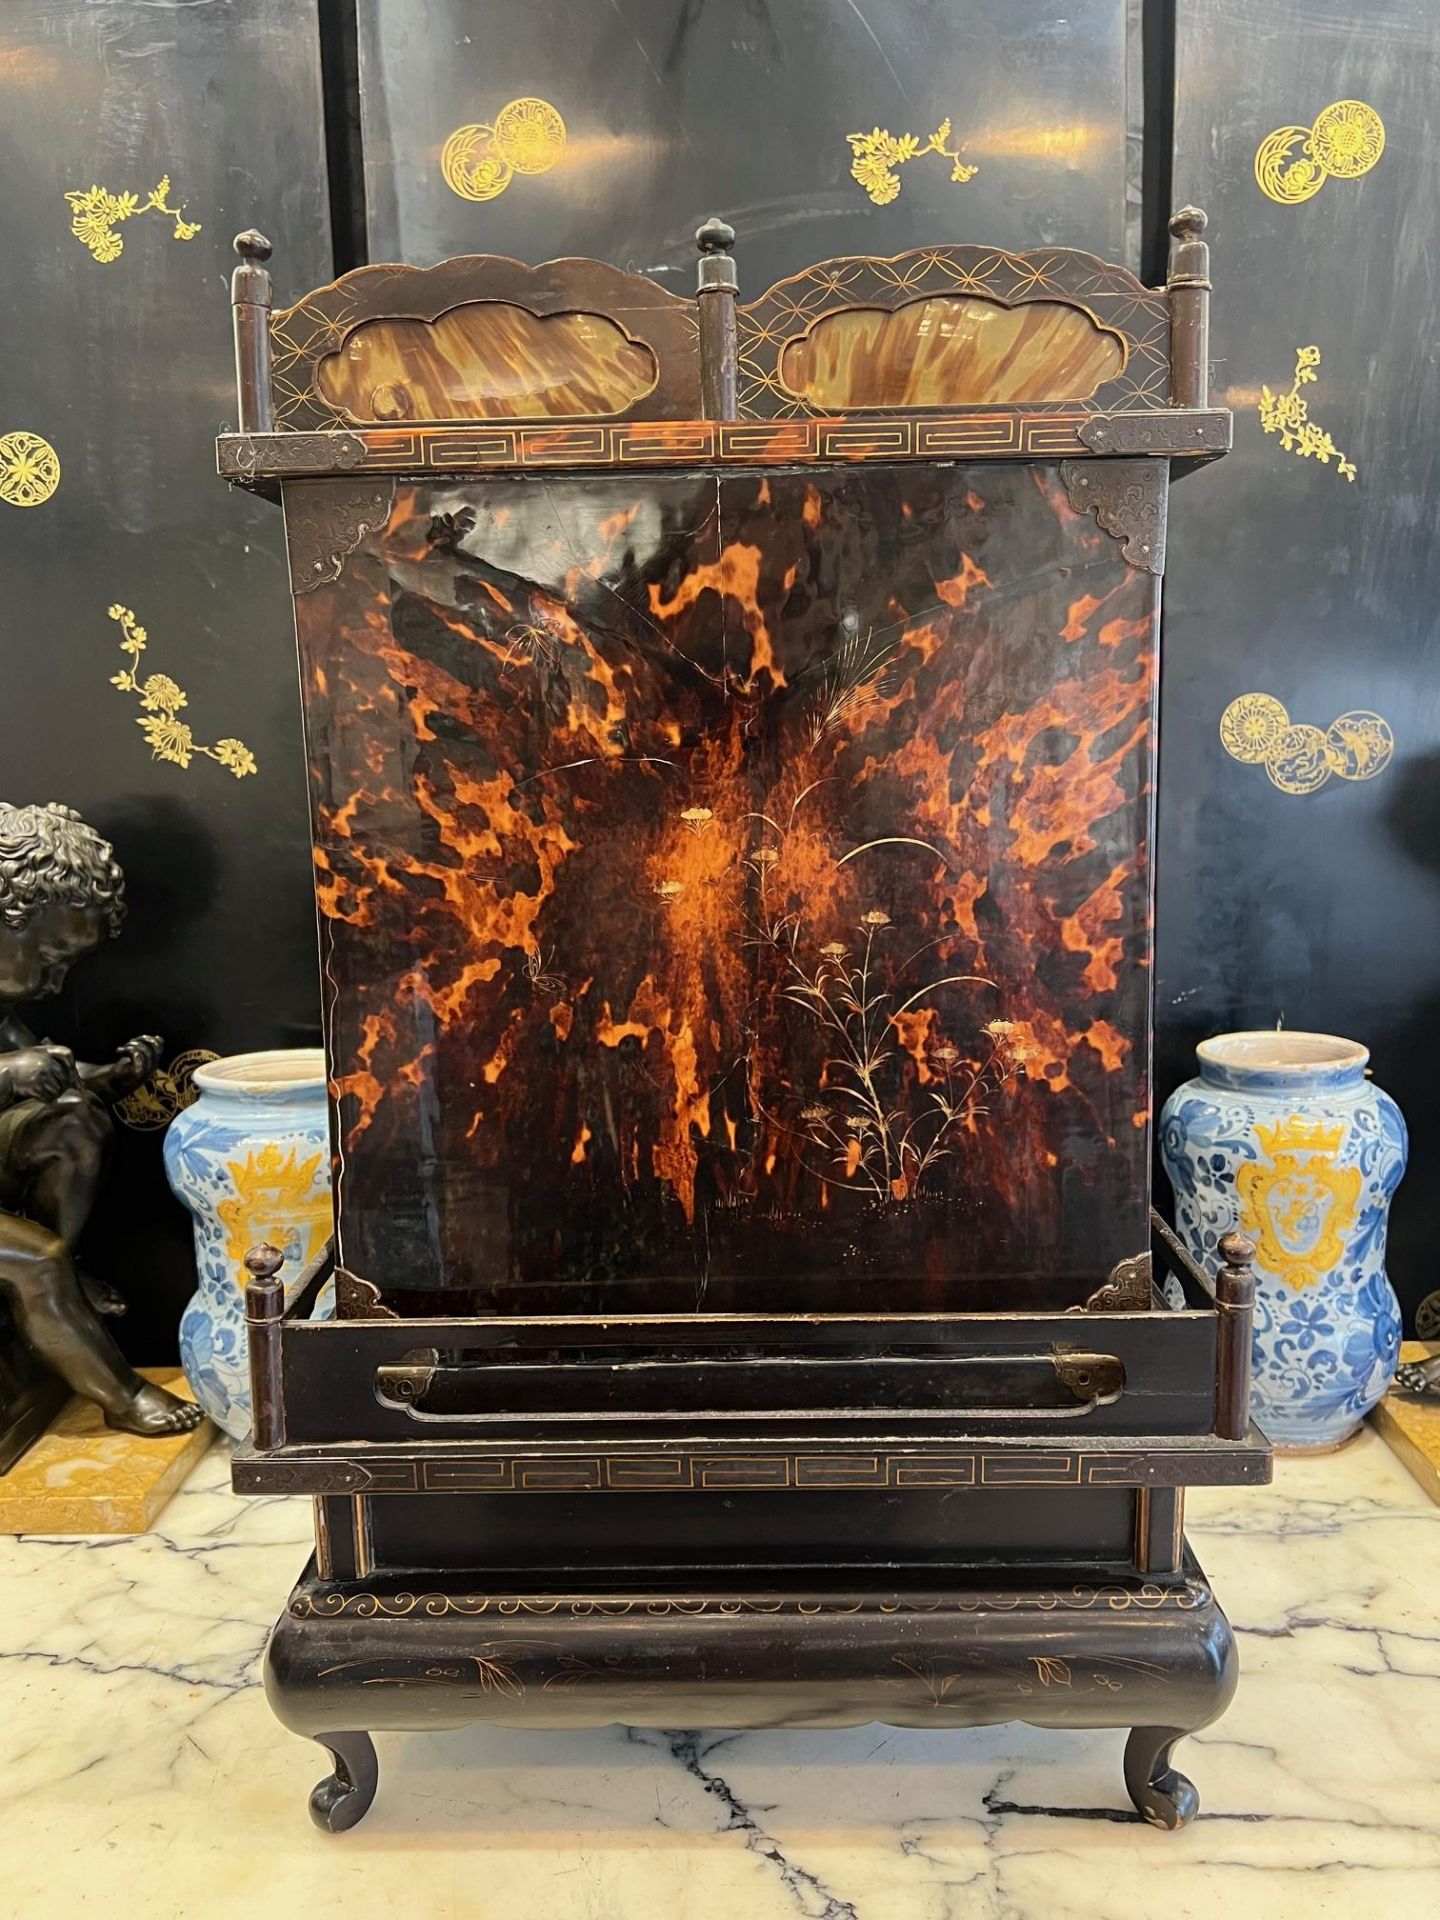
<point>342,1799</point>
<point>1166,1798</point>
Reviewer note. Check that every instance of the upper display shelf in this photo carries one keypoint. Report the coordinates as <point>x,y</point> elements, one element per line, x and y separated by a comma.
<point>943,352</point>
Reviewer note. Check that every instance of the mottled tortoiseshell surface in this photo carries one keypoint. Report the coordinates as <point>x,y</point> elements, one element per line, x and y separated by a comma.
<point>949,353</point>
<point>490,360</point>
<point>735,891</point>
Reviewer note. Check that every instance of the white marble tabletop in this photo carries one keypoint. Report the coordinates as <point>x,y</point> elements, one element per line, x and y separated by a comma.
<point>142,1774</point>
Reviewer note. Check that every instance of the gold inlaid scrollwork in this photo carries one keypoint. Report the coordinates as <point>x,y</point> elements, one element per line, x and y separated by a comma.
<point>331,1603</point>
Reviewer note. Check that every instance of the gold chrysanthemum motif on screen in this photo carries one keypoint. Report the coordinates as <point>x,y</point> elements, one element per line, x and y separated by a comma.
<point>1293,163</point>
<point>879,154</point>
<point>1298,757</point>
<point>95,213</point>
<point>1288,415</point>
<point>29,469</point>
<point>480,160</point>
<point>1251,726</point>
<point>163,700</point>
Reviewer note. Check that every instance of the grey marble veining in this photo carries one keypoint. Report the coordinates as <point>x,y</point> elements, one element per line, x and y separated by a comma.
<point>142,1771</point>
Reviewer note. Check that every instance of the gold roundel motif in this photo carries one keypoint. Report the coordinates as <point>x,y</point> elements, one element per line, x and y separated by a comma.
<point>1251,726</point>
<point>1299,762</point>
<point>1359,745</point>
<point>1347,139</point>
<point>529,135</point>
<point>29,469</point>
<point>1286,179</point>
<point>472,165</point>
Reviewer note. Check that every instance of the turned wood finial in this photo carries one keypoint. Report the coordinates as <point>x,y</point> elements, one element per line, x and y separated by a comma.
<point>1235,1306</point>
<point>252,246</point>
<point>716,236</point>
<point>1188,285</point>
<point>264,1291</point>
<point>716,288</point>
<point>264,1260</point>
<point>1236,1249</point>
<point>264,1310</point>
<point>250,314</point>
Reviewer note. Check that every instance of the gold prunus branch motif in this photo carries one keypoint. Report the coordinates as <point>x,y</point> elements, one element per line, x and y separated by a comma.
<point>169,737</point>
<point>1288,415</point>
<point>95,213</point>
<point>879,154</point>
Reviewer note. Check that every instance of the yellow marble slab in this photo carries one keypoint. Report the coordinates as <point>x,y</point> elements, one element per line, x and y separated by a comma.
<point>1411,1428</point>
<point>81,1477</point>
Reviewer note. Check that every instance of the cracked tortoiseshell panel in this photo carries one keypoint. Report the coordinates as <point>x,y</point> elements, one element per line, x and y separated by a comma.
<point>734,891</point>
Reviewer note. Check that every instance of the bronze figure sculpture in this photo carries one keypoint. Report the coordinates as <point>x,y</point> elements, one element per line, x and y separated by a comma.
<point>61,893</point>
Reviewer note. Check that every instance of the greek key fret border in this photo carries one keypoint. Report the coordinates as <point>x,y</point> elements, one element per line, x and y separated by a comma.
<point>999,434</point>
<point>758,1470</point>
<point>664,442</point>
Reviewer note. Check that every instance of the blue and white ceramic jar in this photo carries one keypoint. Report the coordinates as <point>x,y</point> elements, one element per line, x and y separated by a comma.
<point>250,1158</point>
<point>1284,1137</point>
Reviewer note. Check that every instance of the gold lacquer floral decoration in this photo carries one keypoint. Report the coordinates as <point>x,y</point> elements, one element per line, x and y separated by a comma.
<point>879,153</point>
<point>1288,414</point>
<point>168,735</point>
<point>95,213</point>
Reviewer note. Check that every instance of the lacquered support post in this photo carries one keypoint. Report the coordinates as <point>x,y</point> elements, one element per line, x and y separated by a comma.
<point>1235,1306</point>
<point>264,1310</point>
<point>1189,288</point>
<point>250,311</point>
<point>715,297</point>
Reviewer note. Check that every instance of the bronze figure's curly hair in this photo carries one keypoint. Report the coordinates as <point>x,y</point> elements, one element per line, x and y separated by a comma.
<point>49,857</point>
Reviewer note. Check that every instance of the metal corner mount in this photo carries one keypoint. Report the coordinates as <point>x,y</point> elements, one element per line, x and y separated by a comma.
<point>1128,1289</point>
<point>1127,498</point>
<point>357,1299</point>
<point>324,523</point>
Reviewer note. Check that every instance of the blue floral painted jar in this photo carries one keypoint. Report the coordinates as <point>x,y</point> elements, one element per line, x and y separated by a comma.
<point>1284,1137</point>
<point>250,1158</point>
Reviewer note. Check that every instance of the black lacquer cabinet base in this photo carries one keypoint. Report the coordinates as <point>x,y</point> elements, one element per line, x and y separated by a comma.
<point>1114,1649</point>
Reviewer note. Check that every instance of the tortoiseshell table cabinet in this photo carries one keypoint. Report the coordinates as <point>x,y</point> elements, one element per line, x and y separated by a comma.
<point>731,730</point>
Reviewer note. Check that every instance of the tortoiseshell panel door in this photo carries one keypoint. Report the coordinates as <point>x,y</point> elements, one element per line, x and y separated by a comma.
<point>735,891</point>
